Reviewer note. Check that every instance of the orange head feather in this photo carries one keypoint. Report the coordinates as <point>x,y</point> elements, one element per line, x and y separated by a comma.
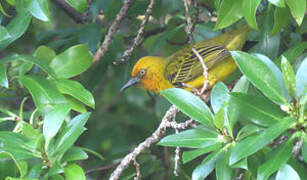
<point>148,73</point>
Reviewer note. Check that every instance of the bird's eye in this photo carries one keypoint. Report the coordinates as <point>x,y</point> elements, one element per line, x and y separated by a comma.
<point>142,72</point>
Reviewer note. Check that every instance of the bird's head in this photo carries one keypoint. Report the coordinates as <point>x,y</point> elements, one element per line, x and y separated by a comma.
<point>147,73</point>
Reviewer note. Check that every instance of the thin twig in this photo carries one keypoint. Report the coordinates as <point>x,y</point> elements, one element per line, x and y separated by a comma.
<point>138,171</point>
<point>155,137</point>
<point>138,39</point>
<point>70,11</point>
<point>189,21</point>
<point>115,25</point>
<point>205,73</point>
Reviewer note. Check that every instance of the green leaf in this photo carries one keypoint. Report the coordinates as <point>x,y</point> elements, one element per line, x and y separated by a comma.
<point>38,9</point>
<point>36,171</point>
<point>292,53</point>
<point>287,172</point>
<point>74,154</point>
<point>16,28</point>
<point>257,109</point>
<point>256,142</point>
<point>70,133</point>
<point>279,3</point>
<point>54,120</point>
<point>207,166</point>
<point>76,90</point>
<point>74,172</point>
<point>189,104</point>
<point>93,153</point>
<point>246,131</point>
<point>268,45</point>
<point>194,138</point>
<point>219,95</point>
<point>252,66</point>
<point>21,165</point>
<point>72,61</point>
<point>27,58</point>
<point>43,92</point>
<point>79,5</point>
<point>229,12</point>
<point>304,148</point>
<point>277,158</point>
<point>223,170</point>
<point>4,34</point>
<point>249,10</point>
<point>289,77</point>
<point>281,19</point>
<point>301,78</point>
<point>3,77</point>
<point>3,11</point>
<point>75,104</point>
<point>44,53</point>
<point>220,118</point>
<point>298,9</point>
<point>190,155</point>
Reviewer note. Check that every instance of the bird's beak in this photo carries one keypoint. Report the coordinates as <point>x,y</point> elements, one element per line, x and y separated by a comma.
<point>131,82</point>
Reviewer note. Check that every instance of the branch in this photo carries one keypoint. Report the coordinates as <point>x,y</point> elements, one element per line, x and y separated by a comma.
<point>205,73</point>
<point>190,23</point>
<point>138,39</point>
<point>115,25</point>
<point>70,11</point>
<point>155,137</point>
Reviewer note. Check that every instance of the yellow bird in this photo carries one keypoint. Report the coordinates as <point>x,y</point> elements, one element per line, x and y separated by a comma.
<point>155,73</point>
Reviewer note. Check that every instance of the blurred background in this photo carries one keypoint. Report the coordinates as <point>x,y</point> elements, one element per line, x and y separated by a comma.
<point>121,121</point>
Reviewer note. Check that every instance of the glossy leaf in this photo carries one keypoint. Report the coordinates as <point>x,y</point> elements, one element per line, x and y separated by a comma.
<point>38,9</point>
<point>43,92</point>
<point>76,90</point>
<point>249,10</point>
<point>79,5</point>
<point>4,34</point>
<point>256,142</point>
<point>72,61</point>
<point>247,130</point>
<point>16,28</point>
<point>257,109</point>
<point>281,19</point>
<point>74,154</point>
<point>27,58</point>
<point>223,170</point>
<point>251,66</point>
<point>192,154</point>
<point>207,166</point>
<point>194,138</point>
<point>74,172</point>
<point>3,77</point>
<point>304,148</point>
<point>70,133</point>
<point>301,78</point>
<point>277,159</point>
<point>298,9</point>
<point>219,95</point>
<point>44,53</point>
<point>75,104</point>
<point>292,53</point>
<point>279,3</point>
<point>220,118</point>
<point>21,165</point>
<point>189,104</point>
<point>289,77</point>
<point>54,120</point>
<point>287,172</point>
<point>229,12</point>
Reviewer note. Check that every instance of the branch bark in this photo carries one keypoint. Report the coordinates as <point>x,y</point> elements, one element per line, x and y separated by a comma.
<point>114,27</point>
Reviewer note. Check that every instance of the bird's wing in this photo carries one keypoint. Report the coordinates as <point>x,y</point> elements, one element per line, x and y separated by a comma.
<point>184,65</point>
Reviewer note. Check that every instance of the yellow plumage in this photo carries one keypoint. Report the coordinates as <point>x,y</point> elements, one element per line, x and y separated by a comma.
<point>156,73</point>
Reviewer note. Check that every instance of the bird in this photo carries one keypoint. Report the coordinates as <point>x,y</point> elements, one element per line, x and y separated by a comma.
<point>156,73</point>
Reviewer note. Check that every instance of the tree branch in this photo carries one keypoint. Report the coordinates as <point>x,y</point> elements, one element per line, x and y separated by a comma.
<point>138,39</point>
<point>155,137</point>
<point>115,25</point>
<point>70,11</point>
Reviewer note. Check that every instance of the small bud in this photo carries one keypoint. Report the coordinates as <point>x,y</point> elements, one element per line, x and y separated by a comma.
<point>284,108</point>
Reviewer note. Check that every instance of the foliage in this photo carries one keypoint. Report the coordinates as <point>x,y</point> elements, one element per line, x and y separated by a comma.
<point>48,84</point>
